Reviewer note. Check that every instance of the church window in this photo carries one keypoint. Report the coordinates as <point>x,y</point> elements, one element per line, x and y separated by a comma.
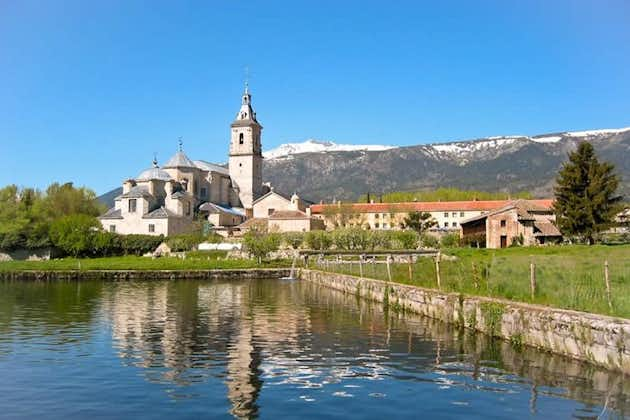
<point>188,208</point>
<point>502,223</point>
<point>132,205</point>
<point>112,228</point>
<point>204,192</point>
<point>151,228</point>
<point>270,211</point>
<point>240,139</point>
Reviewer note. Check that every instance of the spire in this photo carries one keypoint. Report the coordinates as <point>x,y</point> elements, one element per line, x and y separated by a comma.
<point>246,80</point>
<point>181,144</point>
<point>155,163</point>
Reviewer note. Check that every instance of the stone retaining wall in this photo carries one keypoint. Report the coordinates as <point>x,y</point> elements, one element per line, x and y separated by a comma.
<point>146,274</point>
<point>598,339</point>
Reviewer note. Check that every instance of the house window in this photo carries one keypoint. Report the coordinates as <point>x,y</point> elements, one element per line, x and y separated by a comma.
<point>240,138</point>
<point>461,214</point>
<point>454,224</point>
<point>384,225</point>
<point>132,205</point>
<point>270,211</point>
<point>204,192</point>
<point>376,225</point>
<point>446,214</point>
<point>151,228</point>
<point>445,224</point>
<point>454,214</point>
<point>376,216</point>
<point>502,223</point>
<point>112,228</point>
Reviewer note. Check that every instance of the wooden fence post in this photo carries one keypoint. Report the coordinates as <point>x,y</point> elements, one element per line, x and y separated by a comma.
<point>389,270</point>
<point>437,270</point>
<point>410,269</point>
<point>606,278</point>
<point>361,266</point>
<point>532,278</point>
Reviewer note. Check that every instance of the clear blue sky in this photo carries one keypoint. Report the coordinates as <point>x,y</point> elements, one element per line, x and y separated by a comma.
<point>90,89</point>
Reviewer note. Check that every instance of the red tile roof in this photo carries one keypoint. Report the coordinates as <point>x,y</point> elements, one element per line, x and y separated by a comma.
<point>428,206</point>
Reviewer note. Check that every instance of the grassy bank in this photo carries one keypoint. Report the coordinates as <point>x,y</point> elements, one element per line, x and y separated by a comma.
<point>193,261</point>
<point>570,277</point>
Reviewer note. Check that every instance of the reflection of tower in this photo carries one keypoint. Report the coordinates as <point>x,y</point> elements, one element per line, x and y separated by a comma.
<point>244,381</point>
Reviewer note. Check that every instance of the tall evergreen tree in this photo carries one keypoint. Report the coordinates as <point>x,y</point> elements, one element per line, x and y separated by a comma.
<point>585,194</point>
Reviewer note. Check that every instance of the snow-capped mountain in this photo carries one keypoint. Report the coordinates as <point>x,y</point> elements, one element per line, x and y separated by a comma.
<point>319,146</point>
<point>500,163</point>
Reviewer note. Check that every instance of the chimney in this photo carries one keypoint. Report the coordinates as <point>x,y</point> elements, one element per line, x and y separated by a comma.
<point>308,212</point>
<point>127,185</point>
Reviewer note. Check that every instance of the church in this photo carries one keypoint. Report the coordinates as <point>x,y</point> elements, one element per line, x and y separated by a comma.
<point>165,200</point>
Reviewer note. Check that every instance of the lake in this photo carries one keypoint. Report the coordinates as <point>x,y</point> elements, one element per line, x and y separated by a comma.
<point>267,348</point>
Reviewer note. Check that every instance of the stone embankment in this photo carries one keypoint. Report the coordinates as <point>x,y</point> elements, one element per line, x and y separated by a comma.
<point>235,274</point>
<point>598,339</point>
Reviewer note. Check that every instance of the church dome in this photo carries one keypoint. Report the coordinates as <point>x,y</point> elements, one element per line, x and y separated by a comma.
<point>154,173</point>
<point>180,160</point>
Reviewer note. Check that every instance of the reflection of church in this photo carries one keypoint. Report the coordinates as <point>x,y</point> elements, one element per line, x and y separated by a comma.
<point>165,325</point>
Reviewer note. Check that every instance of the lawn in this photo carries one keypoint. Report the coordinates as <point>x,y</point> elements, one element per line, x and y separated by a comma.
<point>194,261</point>
<point>570,277</point>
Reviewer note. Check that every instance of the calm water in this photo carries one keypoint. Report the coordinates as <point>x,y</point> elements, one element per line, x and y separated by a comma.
<point>203,349</point>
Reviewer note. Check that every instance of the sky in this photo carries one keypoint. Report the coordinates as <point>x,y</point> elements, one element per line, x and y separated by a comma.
<point>90,90</point>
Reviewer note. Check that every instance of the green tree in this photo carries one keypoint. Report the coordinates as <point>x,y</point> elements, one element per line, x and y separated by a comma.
<point>293,240</point>
<point>420,222</point>
<point>585,194</point>
<point>260,244</point>
<point>318,239</point>
<point>74,234</point>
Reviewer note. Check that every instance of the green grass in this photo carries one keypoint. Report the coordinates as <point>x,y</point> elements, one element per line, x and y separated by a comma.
<point>570,277</point>
<point>194,261</point>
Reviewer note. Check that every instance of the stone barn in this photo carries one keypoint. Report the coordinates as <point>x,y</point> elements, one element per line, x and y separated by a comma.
<point>525,222</point>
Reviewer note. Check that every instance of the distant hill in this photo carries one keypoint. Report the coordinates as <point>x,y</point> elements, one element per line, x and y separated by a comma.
<point>108,197</point>
<point>321,170</point>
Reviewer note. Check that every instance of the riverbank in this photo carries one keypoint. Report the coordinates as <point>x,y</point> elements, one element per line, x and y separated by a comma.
<point>567,277</point>
<point>192,261</point>
<point>120,275</point>
<point>597,339</point>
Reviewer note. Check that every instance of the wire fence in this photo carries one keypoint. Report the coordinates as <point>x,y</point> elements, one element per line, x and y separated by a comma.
<point>593,283</point>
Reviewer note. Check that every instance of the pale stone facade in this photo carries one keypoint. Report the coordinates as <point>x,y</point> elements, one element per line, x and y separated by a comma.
<point>165,201</point>
<point>277,213</point>
<point>448,215</point>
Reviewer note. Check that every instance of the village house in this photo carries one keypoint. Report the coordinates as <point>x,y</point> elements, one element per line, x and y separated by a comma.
<point>448,215</point>
<point>526,222</point>
<point>276,213</point>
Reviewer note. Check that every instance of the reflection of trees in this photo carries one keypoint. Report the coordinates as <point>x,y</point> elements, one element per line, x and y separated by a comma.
<point>61,311</point>
<point>246,333</point>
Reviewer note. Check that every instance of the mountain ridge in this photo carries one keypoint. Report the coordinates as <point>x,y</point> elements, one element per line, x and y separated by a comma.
<point>325,170</point>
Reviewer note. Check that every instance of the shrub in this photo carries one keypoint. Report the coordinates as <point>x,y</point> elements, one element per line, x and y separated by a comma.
<point>351,238</point>
<point>476,241</point>
<point>106,244</point>
<point>429,241</point>
<point>184,242</point>
<point>293,239</point>
<point>260,244</point>
<point>74,234</point>
<point>450,240</point>
<point>405,239</point>
<point>379,239</point>
<point>318,239</point>
<point>140,244</point>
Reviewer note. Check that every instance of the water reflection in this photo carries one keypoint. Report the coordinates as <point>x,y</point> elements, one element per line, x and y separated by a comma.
<point>292,348</point>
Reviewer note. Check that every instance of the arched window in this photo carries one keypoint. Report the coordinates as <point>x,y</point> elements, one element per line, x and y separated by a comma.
<point>240,138</point>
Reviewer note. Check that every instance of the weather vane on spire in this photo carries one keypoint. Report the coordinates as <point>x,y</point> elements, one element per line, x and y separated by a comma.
<point>246,79</point>
<point>181,144</point>
<point>155,160</point>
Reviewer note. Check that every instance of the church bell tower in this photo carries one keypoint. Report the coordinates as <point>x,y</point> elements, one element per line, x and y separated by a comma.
<point>245,163</point>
